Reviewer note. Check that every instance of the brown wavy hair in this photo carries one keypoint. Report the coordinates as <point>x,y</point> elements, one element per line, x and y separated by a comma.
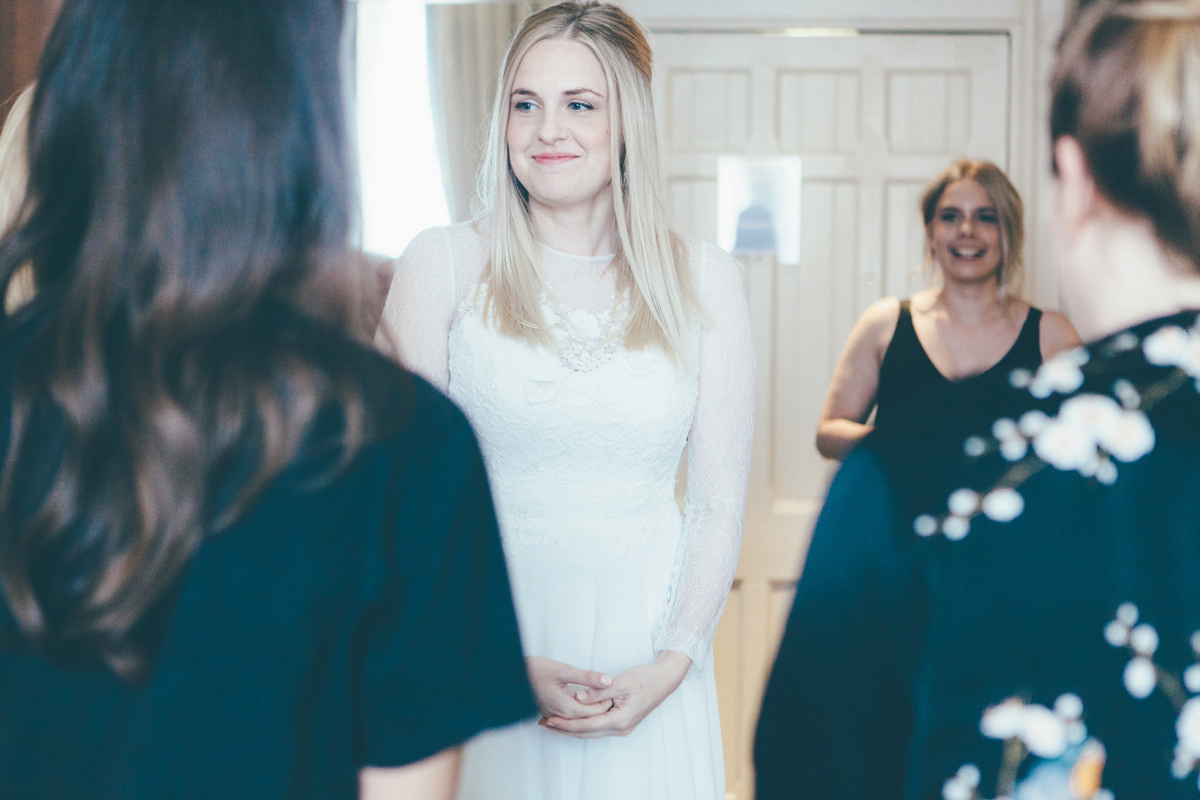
<point>188,200</point>
<point>1126,86</point>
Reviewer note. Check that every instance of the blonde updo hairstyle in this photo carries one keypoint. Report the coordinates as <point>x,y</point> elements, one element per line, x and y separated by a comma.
<point>650,261</point>
<point>1126,86</point>
<point>1010,212</point>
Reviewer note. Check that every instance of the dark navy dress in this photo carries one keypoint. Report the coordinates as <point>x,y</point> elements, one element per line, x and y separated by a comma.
<point>1003,598</point>
<point>366,621</point>
<point>906,369</point>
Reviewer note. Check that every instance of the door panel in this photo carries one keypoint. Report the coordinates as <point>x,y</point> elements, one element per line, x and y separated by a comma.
<point>873,117</point>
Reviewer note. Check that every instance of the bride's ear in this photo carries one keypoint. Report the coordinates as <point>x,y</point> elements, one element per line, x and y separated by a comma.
<point>1077,196</point>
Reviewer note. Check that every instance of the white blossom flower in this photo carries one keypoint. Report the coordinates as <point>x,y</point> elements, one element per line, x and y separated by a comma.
<point>1182,765</point>
<point>1067,447</point>
<point>1196,642</point>
<point>969,774</point>
<point>975,447</point>
<point>1014,449</point>
<point>1187,728</point>
<point>1128,613</point>
<point>1191,678</point>
<point>1068,706</point>
<point>956,527</point>
<point>1020,378</point>
<point>1060,374</point>
<point>1116,633</point>
<point>1003,505</point>
<point>1127,393</point>
<point>1140,677</point>
<point>1045,734</point>
<point>1005,428</point>
<point>1106,472</point>
<point>955,789</point>
<point>963,502</point>
<point>1033,422</point>
<point>1130,438</point>
<point>925,525</point>
<point>1165,346</point>
<point>1076,731</point>
<point>1123,342</point>
<point>1091,466</point>
<point>1093,412</point>
<point>1003,721</point>
<point>1144,639</point>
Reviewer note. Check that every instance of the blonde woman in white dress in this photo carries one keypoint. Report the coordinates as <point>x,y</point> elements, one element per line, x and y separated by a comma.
<point>590,346</point>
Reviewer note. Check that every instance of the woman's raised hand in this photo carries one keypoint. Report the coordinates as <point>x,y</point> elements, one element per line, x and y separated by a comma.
<point>633,694</point>
<point>552,683</point>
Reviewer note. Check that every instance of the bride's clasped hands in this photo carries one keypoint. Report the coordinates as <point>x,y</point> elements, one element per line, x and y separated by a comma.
<point>609,706</point>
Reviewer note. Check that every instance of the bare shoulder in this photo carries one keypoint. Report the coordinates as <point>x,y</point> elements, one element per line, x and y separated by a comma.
<point>873,332</point>
<point>883,312</point>
<point>1056,333</point>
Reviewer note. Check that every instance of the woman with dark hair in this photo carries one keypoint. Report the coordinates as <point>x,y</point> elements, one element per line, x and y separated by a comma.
<point>974,321</point>
<point>1005,600</point>
<point>242,555</point>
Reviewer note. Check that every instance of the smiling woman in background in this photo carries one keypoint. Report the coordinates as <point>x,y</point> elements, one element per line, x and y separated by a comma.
<point>242,554</point>
<point>974,322</point>
<point>589,346</point>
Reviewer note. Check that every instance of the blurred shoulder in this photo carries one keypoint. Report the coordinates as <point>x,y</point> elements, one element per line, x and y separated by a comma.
<point>881,315</point>
<point>1056,333</point>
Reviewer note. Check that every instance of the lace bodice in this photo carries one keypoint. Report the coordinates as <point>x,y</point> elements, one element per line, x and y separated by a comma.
<point>592,431</point>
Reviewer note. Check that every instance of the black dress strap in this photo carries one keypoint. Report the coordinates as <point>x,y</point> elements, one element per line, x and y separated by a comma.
<point>1027,349</point>
<point>905,368</point>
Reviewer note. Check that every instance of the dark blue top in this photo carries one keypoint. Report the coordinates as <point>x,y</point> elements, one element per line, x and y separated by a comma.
<point>916,612</point>
<point>906,368</point>
<point>368,622</point>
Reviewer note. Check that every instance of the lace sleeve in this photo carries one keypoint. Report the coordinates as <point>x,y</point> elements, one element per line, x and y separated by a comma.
<point>718,463</point>
<point>415,327</point>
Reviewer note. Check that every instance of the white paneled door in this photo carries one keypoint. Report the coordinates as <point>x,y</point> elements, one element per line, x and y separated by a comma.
<point>874,117</point>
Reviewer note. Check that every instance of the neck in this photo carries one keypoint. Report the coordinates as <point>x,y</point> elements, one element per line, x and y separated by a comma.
<point>970,303</point>
<point>1117,273</point>
<point>586,229</point>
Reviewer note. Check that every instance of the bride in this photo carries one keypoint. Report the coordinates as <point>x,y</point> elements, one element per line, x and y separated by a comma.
<point>589,346</point>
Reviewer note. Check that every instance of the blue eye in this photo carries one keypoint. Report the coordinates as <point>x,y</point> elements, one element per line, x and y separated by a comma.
<point>989,217</point>
<point>579,105</point>
<point>523,105</point>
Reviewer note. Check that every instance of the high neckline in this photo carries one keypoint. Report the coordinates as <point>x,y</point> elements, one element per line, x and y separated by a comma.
<point>573,256</point>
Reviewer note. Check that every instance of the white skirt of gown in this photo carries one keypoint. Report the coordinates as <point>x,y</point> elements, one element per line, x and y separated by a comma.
<point>582,467</point>
<point>593,609</point>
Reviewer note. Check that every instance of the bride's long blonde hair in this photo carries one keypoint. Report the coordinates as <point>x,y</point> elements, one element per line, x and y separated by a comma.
<point>650,260</point>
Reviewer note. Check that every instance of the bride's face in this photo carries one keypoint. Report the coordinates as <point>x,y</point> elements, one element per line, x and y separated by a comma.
<point>558,130</point>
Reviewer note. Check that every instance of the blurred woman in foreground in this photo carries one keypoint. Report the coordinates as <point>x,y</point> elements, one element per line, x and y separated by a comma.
<point>1004,601</point>
<point>241,554</point>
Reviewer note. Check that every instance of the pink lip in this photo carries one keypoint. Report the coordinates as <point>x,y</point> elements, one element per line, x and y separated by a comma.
<point>553,158</point>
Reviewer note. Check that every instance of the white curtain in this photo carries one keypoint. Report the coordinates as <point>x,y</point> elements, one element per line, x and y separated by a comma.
<point>466,45</point>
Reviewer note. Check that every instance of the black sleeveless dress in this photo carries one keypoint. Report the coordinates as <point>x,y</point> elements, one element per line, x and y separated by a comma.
<point>906,368</point>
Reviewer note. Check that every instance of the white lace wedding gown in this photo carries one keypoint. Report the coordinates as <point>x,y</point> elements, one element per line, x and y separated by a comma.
<point>582,445</point>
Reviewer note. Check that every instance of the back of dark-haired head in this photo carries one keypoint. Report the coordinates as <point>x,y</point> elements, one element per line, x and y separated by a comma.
<point>188,199</point>
<point>1126,86</point>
